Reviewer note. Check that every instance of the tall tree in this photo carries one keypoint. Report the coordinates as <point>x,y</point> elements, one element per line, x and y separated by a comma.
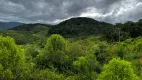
<point>54,52</point>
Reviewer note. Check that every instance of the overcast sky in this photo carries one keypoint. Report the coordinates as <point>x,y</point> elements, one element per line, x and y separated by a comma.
<point>54,11</point>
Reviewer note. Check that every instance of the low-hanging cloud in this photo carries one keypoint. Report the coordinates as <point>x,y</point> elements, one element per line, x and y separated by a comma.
<point>54,11</point>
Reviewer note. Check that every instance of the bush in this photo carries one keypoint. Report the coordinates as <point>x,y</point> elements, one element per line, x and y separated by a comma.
<point>54,53</point>
<point>12,58</point>
<point>117,69</point>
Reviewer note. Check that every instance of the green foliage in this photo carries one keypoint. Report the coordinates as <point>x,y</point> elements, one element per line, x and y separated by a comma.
<point>79,26</point>
<point>86,64</point>
<point>31,50</point>
<point>120,52</point>
<point>89,45</point>
<point>117,69</point>
<point>27,33</point>
<point>47,75</point>
<point>54,53</point>
<point>102,53</point>
<point>75,51</point>
<point>76,27</point>
<point>7,75</point>
<point>86,67</point>
<point>12,58</point>
<point>133,29</point>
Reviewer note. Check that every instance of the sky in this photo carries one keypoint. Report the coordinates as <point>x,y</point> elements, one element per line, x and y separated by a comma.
<point>55,11</point>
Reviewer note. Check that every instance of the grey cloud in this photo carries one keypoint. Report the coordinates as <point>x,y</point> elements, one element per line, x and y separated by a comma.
<point>135,13</point>
<point>49,11</point>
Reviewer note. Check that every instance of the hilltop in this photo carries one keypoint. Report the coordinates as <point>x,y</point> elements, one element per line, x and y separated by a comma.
<point>80,26</point>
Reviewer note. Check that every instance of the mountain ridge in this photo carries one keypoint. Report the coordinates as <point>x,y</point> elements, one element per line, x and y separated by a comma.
<point>7,25</point>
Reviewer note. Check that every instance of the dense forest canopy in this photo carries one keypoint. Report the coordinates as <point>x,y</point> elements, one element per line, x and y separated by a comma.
<point>75,49</point>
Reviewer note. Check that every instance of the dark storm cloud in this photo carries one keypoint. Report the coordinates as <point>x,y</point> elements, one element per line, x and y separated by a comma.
<point>52,11</point>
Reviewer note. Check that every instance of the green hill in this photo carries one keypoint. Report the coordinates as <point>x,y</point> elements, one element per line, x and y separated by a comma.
<point>79,26</point>
<point>76,28</point>
<point>27,33</point>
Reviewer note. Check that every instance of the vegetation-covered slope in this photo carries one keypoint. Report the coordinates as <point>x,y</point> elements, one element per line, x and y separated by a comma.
<point>80,26</point>
<point>87,50</point>
<point>77,27</point>
<point>27,33</point>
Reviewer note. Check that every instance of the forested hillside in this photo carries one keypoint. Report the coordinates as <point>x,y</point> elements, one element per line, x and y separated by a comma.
<point>75,49</point>
<point>80,26</point>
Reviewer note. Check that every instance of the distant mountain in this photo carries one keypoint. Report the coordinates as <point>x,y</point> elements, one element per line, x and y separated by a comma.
<point>7,25</point>
<point>31,27</point>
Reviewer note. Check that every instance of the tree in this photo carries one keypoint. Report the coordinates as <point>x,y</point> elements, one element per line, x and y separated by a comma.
<point>11,58</point>
<point>102,53</point>
<point>47,75</point>
<point>87,67</point>
<point>118,69</point>
<point>54,53</point>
